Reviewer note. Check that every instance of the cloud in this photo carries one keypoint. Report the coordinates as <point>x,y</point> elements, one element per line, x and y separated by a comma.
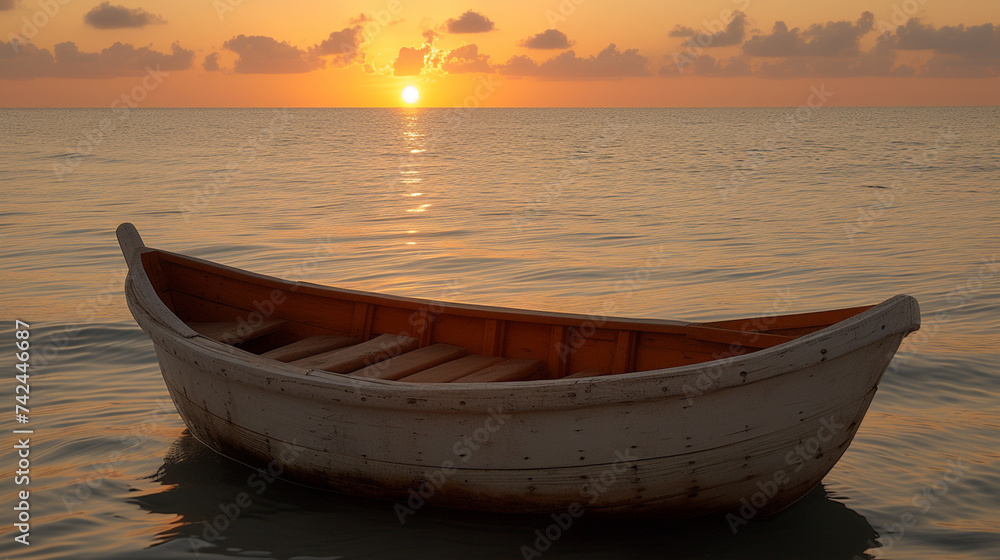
<point>833,50</point>
<point>878,61</point>
<point>682,31</point>
<point>520,65</point>
<point>430,36</point>
<point>609,63</point>
<point>106,16</point>
<point>211,63</point>
<point>345,45</point>
<point>410,61</point>
<point>470,22</point>
<point>548,39</point>
<point>466,59</point>
<point>24,61</point>
<point>835,38</point>
<point>7,5</point>
<point>959,51</point>
<point>265,55</point>
<point>258,54</point>
<point>345,41</point>
<point>959,67</point>
<point>983,40</point>
<point>19,60</point>
<point>732,34</point>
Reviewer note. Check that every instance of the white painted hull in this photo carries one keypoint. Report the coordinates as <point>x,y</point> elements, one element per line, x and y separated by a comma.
<point>764,427</point>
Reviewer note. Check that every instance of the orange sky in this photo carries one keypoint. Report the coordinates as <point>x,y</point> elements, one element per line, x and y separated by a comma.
<point>312,53</point>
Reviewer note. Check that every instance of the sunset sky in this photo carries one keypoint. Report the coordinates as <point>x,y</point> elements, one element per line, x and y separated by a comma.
<point>312,53</point>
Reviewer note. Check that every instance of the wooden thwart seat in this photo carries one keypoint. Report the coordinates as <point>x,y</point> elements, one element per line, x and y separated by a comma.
<point>236,332</point>
<point>387,356</point>
<point>351,358</point>
<point>453,370</point>
<point>412,362</point>
<point>308,347</point>
<point>507,370</point>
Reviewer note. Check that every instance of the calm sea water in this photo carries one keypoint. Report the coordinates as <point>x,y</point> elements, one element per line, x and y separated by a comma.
<point>692,214</point>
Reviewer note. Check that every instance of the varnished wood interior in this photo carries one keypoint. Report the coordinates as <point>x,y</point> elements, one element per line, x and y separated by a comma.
<point>348,333</point>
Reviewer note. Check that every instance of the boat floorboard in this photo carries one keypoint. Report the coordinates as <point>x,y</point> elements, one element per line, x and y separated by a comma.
<point>351,358</point>
<point>413,361</point>
<point>308,347</point>
<point>396,357</point>
<point>507,370</point>
<point>453,370</point>
<point>233,332</point>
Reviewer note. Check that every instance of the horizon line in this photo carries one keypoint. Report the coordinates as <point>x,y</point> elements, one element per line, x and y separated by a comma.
<point>521,107</point>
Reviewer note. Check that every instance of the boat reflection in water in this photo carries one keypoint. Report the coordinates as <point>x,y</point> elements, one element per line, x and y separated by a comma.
<point>285,520</point>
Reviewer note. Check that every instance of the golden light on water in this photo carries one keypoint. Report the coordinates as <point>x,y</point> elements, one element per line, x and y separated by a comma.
<point>410,94</point>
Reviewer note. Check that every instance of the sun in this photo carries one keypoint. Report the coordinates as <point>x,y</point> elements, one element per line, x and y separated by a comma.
<point>410,94</point>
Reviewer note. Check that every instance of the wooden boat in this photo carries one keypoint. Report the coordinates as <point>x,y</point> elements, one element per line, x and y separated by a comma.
<point>497,409</point>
